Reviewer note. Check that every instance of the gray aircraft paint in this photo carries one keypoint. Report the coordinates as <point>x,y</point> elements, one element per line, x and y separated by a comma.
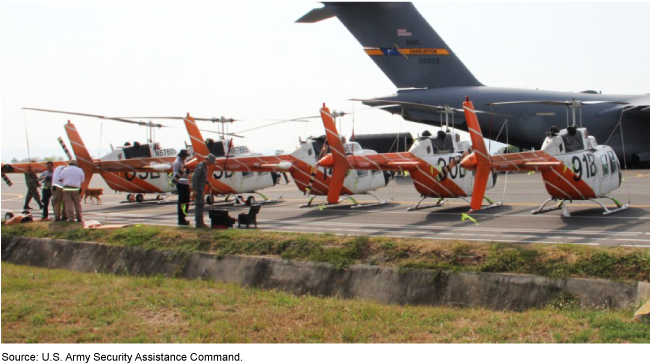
<point>439,77</point>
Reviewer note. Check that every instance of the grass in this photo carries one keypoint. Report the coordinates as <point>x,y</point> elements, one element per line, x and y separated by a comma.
<point>41,305</point>
<point>559,261</point>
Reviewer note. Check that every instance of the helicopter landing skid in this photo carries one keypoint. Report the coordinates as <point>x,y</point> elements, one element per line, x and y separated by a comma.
<point>418,206</point>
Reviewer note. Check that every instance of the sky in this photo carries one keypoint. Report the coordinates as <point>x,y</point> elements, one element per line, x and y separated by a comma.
<point>251,61</point>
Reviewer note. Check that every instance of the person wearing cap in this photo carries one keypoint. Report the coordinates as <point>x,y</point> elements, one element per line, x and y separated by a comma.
<point>46,179</point>
<point>182,186</point>
<point>72,179</point>
<point>57,194</point>
<point>199,180</point>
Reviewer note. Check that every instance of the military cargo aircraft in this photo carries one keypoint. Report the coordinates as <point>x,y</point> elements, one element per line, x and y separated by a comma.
<point>426,71</point>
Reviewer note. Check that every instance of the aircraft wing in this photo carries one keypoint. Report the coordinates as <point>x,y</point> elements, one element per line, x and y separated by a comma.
<point>639,107</point>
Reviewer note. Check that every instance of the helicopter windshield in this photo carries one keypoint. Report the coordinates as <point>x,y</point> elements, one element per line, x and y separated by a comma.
<point>573,140</point>
<point>442,143</point>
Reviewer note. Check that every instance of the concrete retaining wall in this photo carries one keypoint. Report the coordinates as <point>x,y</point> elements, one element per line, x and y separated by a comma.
<point>386,285</point>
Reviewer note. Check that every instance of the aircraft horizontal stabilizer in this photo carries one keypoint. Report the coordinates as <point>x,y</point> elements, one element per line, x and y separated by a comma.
<point>403,165</point>
<point>543,164</point>
<point>283,166</point>
<point>160,167</point>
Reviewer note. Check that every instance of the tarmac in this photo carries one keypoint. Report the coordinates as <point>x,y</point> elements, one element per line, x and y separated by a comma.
<point>511,223</point>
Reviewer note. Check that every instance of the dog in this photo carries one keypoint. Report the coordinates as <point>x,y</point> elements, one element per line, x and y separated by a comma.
<point>94,193</point>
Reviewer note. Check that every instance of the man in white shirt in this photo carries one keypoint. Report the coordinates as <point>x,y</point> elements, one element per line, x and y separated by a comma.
<point>57,194</point>
<point>72,178</point>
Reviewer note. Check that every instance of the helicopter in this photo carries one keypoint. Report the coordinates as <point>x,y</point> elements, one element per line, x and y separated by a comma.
<point>573,165</point>
<point>310,177</point>
<point>139,183</point>
<point>432,163</point>
<point>134,169</point>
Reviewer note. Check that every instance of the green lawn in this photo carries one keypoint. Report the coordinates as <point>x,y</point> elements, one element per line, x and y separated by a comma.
<point>41,305</point>
<point>570,260</point>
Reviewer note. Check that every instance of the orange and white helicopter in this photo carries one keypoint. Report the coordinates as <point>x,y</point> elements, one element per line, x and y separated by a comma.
<point>227,182</point>
<point>139,182</point>
<point>433,164</point>
<point>302,164</point>
<point>573,166</point>
<point>135,169</point>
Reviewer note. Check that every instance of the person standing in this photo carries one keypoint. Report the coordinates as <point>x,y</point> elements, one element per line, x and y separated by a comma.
<point>182,186</point>
<point>31,180</point>
<point>46,180</point>
<point>72,179</point>
<point>199,180</point>
<point>57,194</point>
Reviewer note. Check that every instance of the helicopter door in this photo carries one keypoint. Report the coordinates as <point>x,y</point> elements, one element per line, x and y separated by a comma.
<point>617,176</point>
<point>605,183</point>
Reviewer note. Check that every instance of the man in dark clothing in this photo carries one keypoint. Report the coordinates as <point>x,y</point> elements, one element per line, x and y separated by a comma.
<point>181,175</point>
<point>31,180</point>
<point>199,180</point>
<point>46,179</point>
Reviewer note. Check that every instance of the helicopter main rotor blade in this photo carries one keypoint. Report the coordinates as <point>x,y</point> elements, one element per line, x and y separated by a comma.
<point>91,115</point>
<point>207,131</point>
<point>214,120</point>
<point>279,122</point>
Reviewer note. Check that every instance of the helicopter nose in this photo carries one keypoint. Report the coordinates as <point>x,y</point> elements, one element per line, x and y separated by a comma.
<point>469,163</point>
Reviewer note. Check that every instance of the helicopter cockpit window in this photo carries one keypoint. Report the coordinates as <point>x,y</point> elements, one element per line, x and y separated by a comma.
<point>573,140</point>
<point>603,160</point>
<point>215,147</point>
<point>442,143</point>
<point>612,158</point>
<point>137,151</point>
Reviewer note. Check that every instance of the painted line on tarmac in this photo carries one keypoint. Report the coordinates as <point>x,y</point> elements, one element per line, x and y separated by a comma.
<point>451,239</point>
<point>446,228</point>
<point>18,197</point>
<point>478,236</point>
<point>441,212</point>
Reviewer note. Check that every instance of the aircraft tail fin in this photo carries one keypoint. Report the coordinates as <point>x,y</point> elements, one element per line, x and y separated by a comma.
<point>401,42</point>
<point>84,160</point>
<point>198,144</point>
<point>481,155</point>
<point>341,164</point>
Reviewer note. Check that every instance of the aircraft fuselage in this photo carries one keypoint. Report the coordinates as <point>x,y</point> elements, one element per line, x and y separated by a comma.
<point>527,123</point>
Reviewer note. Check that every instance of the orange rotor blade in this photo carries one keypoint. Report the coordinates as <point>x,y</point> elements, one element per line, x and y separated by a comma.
<point>480,184</point>
<point>198,144</point>
<point>84,159</point>
<point>481,156</point>
<point>340,164</point>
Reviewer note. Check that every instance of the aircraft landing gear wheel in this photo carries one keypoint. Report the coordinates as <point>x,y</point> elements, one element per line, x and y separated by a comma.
<point>250,201</point>
<point>139,197</point>
<point>130,197</point>
<point>209,199</point>
<point>159,197</point>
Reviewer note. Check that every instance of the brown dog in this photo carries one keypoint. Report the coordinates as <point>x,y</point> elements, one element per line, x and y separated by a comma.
<point>94,193</point>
